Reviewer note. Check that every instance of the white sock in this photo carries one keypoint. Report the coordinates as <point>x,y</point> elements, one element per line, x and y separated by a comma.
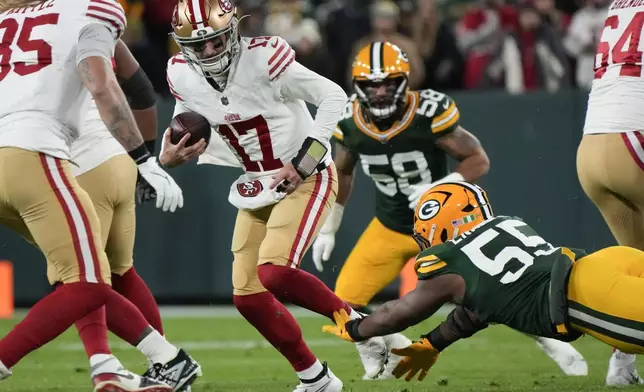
<point>104,363</point>
<point>312,372</point>
<point>623,359</point>
<point>156,349</point>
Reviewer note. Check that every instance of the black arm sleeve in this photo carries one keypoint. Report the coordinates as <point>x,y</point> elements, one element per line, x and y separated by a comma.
<point>459,324</point>
<point>139,90</point>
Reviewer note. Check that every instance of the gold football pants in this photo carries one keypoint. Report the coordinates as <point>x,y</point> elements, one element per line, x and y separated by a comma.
<point>611,172</point>
<point>41,200</point>
<point>375,261</point>
<point>112,186</point>
<point>281,234</point>
<point>605,294</point>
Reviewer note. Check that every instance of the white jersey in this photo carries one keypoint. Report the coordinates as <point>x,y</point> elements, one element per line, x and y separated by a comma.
<point>95,144</point>
<point>261,114</point>
<point>617,95</point>
<point>42,94</point>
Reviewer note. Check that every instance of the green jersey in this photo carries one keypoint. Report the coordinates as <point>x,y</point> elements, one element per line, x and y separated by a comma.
<point>402,155</point>
<point>512,275</point>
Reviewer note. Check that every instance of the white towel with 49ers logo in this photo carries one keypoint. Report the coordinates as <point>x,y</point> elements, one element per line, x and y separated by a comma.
<point>251,195</point>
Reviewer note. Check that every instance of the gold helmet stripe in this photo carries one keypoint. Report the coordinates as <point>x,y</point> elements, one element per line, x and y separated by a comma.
<point>376,57</point>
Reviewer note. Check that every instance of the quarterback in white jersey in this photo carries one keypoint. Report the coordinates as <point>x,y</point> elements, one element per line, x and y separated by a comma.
<point>254,93</point>
<point>610,158</point>
<point>52,53</point>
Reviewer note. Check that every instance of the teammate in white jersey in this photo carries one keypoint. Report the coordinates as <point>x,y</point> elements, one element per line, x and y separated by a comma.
<point>253,92</point>
<point>51,50</point>
<point>610,158</point>
<point>109,176</point>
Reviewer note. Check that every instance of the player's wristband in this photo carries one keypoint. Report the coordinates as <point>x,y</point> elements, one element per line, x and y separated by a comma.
<point>151,145</point>
<point>139,154</point>
<point>352,329</point>
<point>437,340</point>
<point>309,158</point>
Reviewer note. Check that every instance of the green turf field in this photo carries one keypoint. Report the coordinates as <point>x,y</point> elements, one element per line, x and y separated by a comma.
<point>235,358</point>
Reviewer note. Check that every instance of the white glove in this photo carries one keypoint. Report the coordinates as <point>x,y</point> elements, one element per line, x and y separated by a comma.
<point>168,194</point>
<point>418,190</point>
<point>325,242</point>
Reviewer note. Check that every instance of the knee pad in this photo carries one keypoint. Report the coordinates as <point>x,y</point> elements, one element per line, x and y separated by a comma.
<point>245,279</point>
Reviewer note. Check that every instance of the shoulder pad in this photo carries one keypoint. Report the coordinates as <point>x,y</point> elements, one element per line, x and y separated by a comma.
<point>273,52</point>
<point>176,65</point>
<point>427,262</point>
<point>346,116</point>
<point>440,108</point>
<point>108,13</point>
<point>347,112</point>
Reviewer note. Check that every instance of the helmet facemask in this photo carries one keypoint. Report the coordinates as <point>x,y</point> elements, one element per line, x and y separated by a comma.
<point>382,97</point>
<point>212,53</point>
<point>427,242</point>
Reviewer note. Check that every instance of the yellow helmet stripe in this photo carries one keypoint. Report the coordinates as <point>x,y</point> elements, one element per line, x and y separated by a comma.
<point>376,57</point>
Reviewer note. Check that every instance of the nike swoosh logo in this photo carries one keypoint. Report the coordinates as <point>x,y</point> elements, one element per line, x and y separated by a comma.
<point>98,365</point>
<point>446,105</point>
<point>322,387</point>
<point>125,375</point>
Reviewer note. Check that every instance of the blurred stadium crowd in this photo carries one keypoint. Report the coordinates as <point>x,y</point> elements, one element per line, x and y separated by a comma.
<point>516,45</point>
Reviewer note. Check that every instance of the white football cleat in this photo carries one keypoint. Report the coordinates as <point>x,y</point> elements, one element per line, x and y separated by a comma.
<point>374,355</point>
<point>4,372</point>
<point>571,362</point>
<point>326,381</point>
<point>180,372</point>
<point>396,340</point>
<point>622,371</point>
<point>110,376</point>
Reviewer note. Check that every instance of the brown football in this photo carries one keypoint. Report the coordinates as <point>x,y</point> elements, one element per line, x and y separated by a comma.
<point>189,122</point>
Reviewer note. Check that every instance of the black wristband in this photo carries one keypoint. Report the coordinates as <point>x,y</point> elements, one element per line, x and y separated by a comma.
<point>151,146</point>
<point>352,329</point>
<point>309,157</point>
<point>437,340</point>
<point>139,154</point>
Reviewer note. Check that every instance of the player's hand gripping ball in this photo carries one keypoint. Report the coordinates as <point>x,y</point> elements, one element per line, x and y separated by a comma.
<point>189,123</point>
<point>187,138</point>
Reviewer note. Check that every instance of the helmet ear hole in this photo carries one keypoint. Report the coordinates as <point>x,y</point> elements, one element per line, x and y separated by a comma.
<point>468,208</point>
<point>444,235</point>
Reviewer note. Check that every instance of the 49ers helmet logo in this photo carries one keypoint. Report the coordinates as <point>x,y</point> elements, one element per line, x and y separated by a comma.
<point>226,5</point>
<point>429,209</point>
<point>250,189</point>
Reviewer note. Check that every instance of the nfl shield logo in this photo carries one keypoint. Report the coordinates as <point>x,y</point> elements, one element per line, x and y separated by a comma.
<point>224,101</point>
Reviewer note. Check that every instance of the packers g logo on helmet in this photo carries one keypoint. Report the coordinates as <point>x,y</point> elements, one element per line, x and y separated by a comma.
<point>403,55</point>
<point>447,210</point>
<point>429,209</point>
